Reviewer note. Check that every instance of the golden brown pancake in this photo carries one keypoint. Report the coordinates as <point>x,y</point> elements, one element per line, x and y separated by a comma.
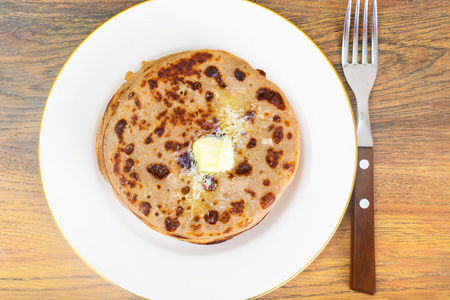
<point>144,144</point>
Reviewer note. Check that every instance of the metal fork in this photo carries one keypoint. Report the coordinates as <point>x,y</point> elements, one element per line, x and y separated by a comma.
<point>361,77</point>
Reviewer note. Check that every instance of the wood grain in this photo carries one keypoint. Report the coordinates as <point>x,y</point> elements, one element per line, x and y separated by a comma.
<point>410,114</point>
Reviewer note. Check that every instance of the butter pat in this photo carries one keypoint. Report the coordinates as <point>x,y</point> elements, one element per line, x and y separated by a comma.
<point>214,154</point>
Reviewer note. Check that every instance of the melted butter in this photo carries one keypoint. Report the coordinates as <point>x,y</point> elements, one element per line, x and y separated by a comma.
<point>230,110</point>
<point>229,100</point>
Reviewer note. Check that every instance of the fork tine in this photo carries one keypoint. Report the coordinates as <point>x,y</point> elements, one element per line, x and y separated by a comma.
<point>364,41</point>
<point>345,37</point>
<point>355,35</point>
<point>375,33</point>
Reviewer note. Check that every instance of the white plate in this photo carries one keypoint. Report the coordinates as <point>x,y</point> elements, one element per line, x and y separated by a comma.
<point>118,245</point>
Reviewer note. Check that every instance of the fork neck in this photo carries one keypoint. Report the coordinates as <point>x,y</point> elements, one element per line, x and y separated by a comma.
<point>363,131</point>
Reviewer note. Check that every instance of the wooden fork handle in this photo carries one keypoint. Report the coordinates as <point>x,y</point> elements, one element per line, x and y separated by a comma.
<point>362,274</point>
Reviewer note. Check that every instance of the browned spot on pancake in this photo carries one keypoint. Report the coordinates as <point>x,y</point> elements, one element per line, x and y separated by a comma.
<point>194,85</point>
<point>289,136</point>
<point>179,111</point>
<point>278,135</point>
<point>159,154</point>
<point>120,128</point>
<point>159,171</point>
<point>137,103</point>
<point>149,139</point>
<point>196,227</point>
<point>274,98</point>
<point>134,119</point>
<point>171,224</point>
<point>220,82</point>
<point>252,193</point>
<point>179,211</point>
<point>160,129</point>
<point>229,229</point>
<point>130,95</point>
<point>267,200</point>
<point>158,186</point>
<point>129,163</point>
<point>133,198</point>
<point>209,96</point>
<point>196,218</point>
<point>287,123</point>
<point>172,95</point>
<point>145,208</point>
<point>205,124</point>
<point>185,190</point>
<point>134,176</point>
<point>237,207</point>
<point>289,167</point>
<point>211,217</point>
<point>251,143</point>
<point>178,116</point>
<point>161,114</point>
<point>261,72</point>
<point>272,157</point>
<point>184,160</point>
<point>129,149</point>
<point>158,96</point>
<point>122,180</point>
<point>117,162</point>
<point>209,183</point>
<point>250,116</point>
<point>167,103</point>
<point>173,145</point>
<point>143,83</point>
<point>214,73</point>
<point>175,82</point>
<point>270,127</point>
<point>184,66</point>
<point>276,119</point>
<point>239,75</point>
<point>266,182</point>
<point>244,168</point>
<point>224,217</point>
<point>153,84</point>
<point>231,175</point>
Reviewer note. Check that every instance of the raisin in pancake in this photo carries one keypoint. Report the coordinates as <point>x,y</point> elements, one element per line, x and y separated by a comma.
<point>144,144</point>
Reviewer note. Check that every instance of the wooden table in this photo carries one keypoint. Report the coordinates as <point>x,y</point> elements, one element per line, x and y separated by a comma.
<point>410,114</point>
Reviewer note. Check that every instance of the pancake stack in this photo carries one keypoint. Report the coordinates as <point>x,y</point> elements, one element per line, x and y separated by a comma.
<point>145,144</point>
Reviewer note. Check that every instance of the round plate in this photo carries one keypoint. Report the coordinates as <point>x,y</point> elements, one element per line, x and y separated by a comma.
<point>118,245</point>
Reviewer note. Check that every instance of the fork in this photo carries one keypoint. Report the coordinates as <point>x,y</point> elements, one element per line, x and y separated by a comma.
<point>361,77</point>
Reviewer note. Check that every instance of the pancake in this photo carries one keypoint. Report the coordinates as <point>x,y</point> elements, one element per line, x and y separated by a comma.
<point>145,145</point>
